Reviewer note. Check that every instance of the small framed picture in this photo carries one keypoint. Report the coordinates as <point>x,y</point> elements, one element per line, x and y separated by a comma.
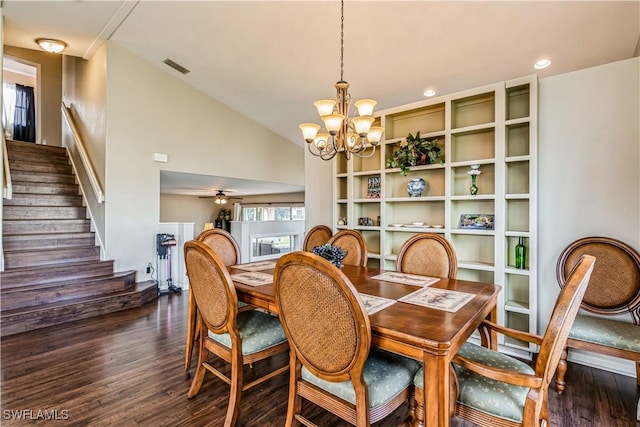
<point>373,187</point>
<point>477,221</point>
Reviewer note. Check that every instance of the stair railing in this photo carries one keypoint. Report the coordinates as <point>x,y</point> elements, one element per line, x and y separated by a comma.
<point>7,189</point>
<point>86,163</point>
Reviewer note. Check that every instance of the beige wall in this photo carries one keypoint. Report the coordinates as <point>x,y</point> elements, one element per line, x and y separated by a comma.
<point>11,77</point>
<point>318,185</point>
<point>271,198</point>
<point>85,93</point>
<point>589,169</point>
<point>50,90</point>
<point>176,208</point>
<point>150,111</point>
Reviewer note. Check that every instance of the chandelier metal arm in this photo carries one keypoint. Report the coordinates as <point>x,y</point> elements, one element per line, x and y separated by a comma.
<point>326,154</point>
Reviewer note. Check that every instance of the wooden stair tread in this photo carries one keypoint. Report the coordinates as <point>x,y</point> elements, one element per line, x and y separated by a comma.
<point>34,175</point>
<point>77,264</point>
<point>86,247</point>
<point>68,282</point>
<point>42,184</point>
<point>53,235</point>
<point>22,276</point>
<point>139,287</point>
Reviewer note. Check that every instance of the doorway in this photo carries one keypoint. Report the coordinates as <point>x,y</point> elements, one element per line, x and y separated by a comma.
<point>20,100</point>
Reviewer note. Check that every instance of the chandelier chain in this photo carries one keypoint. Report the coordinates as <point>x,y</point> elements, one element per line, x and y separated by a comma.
<point>350,135</point>
<point>342,40</point>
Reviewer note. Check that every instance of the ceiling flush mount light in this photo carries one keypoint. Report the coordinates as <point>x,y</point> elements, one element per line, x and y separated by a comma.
<point>353,135</point>
<point>541,64</point>
<point>51,45</point>
<point>429,93</point>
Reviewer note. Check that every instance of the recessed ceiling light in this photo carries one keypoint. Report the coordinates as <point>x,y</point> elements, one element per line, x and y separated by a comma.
<point>543,63</point>
<point>51,45</point>
<point>429,92</point>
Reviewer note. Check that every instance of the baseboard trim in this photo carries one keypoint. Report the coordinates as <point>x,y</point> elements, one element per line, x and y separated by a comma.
<point>601,361</point>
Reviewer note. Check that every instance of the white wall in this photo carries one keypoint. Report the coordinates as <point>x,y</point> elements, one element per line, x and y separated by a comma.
<point>589,168</point>
<point>150,111</point>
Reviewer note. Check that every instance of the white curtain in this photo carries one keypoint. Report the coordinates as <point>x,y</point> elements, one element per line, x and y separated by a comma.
<point>8,108</point>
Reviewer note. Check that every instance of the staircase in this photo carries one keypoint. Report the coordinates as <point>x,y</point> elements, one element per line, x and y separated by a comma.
<point>53,272</point>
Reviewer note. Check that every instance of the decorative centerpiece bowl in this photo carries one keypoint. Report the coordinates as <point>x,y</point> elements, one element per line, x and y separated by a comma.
<point>331,253</point>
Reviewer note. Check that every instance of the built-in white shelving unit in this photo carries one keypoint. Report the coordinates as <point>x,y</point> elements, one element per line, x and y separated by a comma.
<point>494,126</point>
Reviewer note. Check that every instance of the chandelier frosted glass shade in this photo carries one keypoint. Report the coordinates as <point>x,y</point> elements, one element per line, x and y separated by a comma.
<point>351,136</point>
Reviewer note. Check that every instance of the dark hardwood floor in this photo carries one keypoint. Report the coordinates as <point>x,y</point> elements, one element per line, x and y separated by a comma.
<point>126,369</point>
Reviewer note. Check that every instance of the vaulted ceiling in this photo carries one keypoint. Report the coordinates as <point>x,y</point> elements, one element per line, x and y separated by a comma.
<point>270,60</point>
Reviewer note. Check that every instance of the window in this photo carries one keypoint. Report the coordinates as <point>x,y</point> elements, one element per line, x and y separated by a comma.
<point>272,213</point>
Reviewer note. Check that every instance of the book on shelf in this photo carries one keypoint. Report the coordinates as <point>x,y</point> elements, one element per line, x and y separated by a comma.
<point>373,187</point>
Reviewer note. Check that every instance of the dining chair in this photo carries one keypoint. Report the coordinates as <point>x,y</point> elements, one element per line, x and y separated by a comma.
<point>239,338</point>
<point>332,363</point>
<point>428,254</point>
<point>318,235</point>
<point>497,390</point>
<point>355,245</point>
<point>226,247</point>
<point>613,295</point>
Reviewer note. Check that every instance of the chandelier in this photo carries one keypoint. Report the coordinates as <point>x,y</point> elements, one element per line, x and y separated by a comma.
<point>354,135</point>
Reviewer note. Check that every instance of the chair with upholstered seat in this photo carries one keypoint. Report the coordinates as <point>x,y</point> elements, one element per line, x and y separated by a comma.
<point>497,390</point>
<point>226,247</point>
<point>428,254</point>
<point>331,362</point>
<point>318,235</point>
<point>239,338</point>
<point>355,245</point>
<point>614,290</point>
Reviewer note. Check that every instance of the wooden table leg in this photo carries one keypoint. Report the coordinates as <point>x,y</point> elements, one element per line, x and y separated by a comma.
<point>436,390</point>
<point>493,317</point>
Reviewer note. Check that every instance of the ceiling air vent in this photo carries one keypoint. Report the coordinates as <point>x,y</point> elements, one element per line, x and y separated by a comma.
<point>176,66</point>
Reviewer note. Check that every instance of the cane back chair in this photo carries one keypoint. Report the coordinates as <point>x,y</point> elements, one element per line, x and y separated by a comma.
<point>614,290</point>
<point>331,363</point>
<point>239,338</point>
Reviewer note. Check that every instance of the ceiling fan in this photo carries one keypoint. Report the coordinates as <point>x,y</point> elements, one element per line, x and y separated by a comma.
<point>221,198</point>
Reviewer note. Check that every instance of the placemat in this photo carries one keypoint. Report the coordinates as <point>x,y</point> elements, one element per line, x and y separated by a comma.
<point>253,278</point>
<point>440,299</point>
<point>256,266</point>
<point>406,279</point>
<point>374,304</point>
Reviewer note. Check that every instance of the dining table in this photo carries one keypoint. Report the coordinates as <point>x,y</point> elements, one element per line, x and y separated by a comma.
<point>429,333</point>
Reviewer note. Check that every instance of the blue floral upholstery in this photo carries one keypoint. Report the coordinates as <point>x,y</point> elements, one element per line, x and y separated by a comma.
<point>484,394</point>
<point>610,333</point>
<point>258,331</point>
<point>386,376</point>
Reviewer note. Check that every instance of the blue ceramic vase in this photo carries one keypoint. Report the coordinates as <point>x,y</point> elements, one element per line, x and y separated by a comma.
<point>415,187</point>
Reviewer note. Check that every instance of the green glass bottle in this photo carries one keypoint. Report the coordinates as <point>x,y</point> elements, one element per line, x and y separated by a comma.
<point>521,253</point>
